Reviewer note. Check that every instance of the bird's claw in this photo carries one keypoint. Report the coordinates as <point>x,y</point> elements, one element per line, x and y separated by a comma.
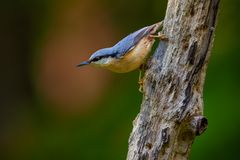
<point>140,82</point>
<point>161,36</point>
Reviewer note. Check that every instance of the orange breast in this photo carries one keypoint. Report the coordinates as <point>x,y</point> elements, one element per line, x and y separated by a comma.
<point>133,59</point>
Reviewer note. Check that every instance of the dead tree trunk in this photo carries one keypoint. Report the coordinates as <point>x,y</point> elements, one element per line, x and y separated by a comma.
<point>172,106</point>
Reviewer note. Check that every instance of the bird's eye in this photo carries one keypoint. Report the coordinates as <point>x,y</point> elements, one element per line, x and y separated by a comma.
<point>96,58</point>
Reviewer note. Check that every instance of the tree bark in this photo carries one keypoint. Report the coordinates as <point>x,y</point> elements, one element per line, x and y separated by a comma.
<point>171,113</point>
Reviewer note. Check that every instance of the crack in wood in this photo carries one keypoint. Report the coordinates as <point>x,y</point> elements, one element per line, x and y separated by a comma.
<point>165,135</point>
<point>192,52</point>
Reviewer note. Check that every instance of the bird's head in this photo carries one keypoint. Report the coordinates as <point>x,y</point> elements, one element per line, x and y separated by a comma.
<point>100,58</point>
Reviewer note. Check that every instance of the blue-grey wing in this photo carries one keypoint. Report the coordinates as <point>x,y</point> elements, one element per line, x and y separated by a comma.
<point>129,42</point>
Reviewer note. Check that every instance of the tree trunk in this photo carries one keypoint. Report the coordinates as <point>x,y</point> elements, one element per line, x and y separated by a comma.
<point>172,106</point>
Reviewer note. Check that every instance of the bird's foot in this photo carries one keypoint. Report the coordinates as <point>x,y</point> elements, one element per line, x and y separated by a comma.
<point>140,82</point>
<point>143,67</point>
<point>160,36</point>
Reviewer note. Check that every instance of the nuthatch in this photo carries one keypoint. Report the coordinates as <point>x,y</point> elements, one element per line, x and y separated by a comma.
<point>129,53</point>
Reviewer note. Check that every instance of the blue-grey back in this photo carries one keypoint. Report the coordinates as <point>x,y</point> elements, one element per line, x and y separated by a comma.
<point>123,46</point>
<point>129,42</point>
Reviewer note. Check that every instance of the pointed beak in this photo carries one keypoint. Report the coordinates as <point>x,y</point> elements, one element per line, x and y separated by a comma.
<point>83,63</point>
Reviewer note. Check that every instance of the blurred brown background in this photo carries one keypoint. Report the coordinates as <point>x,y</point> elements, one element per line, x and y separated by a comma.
<point>52,110</point>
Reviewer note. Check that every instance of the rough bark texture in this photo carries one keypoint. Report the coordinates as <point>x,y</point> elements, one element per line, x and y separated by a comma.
<point>172,107</point>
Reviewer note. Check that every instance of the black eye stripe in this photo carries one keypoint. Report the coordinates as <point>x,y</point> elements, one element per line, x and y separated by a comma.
<point>96,59</point>
<point>100,57</point>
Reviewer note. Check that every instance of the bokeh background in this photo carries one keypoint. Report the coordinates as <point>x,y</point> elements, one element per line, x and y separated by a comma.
<point>51,110</point>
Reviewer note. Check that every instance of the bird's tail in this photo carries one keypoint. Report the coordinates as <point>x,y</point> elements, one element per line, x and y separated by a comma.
<point>156,27</point>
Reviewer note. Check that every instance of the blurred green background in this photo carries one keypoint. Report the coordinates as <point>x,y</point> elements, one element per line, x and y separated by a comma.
<point>51,110</point>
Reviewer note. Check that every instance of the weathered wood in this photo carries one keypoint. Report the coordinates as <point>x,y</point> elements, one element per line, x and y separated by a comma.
<point>172,106</point>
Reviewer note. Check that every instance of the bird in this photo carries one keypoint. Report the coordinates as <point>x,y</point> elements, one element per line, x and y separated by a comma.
<point>129,53</point>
